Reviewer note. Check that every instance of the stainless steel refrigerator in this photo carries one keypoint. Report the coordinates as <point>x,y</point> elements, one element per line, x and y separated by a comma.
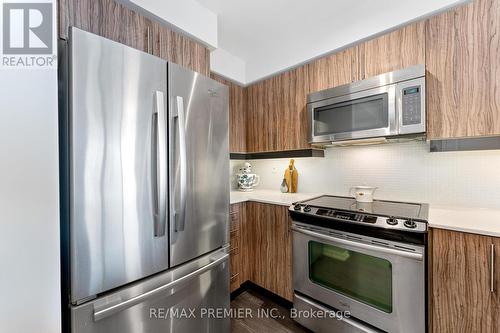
<point>145,175</point>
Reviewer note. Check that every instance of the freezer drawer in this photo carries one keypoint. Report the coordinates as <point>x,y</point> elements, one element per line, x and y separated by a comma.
<point>190,298</point>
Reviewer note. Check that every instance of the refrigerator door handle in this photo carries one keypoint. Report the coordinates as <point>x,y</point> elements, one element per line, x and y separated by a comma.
<point>180,212</point>
<point>111,310</point>
<point>159,165</point>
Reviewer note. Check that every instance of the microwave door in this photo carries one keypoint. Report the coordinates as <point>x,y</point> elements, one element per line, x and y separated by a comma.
<point>366,114</point>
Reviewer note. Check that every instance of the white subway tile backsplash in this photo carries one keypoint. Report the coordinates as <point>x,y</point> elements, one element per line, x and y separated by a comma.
<point>402,171</point>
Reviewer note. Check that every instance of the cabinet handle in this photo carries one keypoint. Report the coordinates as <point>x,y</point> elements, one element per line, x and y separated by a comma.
<point>492,268</point>
<point>148,36</point>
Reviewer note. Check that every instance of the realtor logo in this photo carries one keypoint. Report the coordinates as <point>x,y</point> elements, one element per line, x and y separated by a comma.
<point>27,28</point>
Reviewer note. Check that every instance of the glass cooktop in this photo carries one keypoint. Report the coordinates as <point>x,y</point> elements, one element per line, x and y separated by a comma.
<point>377,207</point>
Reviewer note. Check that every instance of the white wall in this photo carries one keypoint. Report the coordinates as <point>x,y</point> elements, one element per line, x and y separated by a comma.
<point>402,171</point>
<point>186,15</point>
<point>274,36</point>
<point>29,202</point>
<point>228,66</point>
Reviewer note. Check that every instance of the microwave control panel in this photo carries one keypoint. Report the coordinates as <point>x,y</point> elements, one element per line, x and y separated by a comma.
<point>411,100</point>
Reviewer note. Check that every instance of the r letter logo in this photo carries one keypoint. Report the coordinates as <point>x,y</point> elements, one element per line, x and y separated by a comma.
<point>27,28</point>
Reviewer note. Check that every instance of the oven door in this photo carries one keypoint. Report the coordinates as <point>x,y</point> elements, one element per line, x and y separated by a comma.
<point>366,114</point>
<point>381,285</point>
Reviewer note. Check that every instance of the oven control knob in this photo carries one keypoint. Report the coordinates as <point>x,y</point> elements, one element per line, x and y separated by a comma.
<point>297,207</point>
<point>307,209</point>
<point>392,220</point>
<point>410,224</point>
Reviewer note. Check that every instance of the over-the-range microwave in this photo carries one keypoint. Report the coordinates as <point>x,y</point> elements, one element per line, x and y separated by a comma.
<point>386,105</point>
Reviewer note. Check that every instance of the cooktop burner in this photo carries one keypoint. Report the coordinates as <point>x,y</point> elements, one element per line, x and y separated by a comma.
<point>333,211</point>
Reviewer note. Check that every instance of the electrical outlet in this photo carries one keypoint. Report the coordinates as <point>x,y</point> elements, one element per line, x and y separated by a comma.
<point>274,170</point>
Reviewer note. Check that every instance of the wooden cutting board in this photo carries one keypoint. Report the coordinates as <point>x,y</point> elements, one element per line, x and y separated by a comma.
<point>291,177</point>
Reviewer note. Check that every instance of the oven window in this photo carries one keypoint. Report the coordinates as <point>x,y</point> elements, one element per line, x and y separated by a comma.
<point>356,115</point>
<point>362,277</point>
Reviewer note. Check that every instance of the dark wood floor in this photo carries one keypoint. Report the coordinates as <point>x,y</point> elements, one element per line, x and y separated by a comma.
<point>250,304</point>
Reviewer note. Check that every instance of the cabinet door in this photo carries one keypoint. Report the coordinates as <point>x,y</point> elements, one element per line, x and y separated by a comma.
<point>271,249</point>
<point>463,71</point>
<point>283,253</point>
<point>235,246</point>
<point>461,300</point>
<point>495,287</point>
<point>181,50</point>
<point>396,50</point>
<point>106,18</point>
<point>334,70</point>
<point>237,115</point>
<point>262,115</point>
<point>290,105</point>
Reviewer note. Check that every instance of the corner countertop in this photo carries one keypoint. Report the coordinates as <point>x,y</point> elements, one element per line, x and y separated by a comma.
<point>482,221</point>
<point>270,196</point>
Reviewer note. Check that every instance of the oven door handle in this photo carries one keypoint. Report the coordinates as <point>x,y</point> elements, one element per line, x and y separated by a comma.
<point>365,246</point>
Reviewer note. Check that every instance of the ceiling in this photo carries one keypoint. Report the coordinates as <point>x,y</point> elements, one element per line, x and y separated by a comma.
<point>270,36</point>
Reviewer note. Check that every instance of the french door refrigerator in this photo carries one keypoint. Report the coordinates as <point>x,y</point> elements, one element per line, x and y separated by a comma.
<point>145,167</point>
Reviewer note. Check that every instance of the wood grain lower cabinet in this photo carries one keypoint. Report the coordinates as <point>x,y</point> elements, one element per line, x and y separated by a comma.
<point>236,221</point>
<point>495,241</point>
<point>461,296</point>
<point>270,247</point>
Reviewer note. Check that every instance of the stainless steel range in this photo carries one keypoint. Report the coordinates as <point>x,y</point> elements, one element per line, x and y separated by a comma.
<point>366,259</point>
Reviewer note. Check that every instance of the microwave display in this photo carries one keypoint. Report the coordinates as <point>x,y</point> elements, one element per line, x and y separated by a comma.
<point>409,91</point>
<point>354,115</point>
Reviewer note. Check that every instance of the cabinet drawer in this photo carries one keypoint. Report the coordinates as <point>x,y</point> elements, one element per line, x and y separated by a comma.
<point>234,246</point>
<point>234,282</point>
<point>234,208</point>
<point>235,269</point>
<point>234,221</point>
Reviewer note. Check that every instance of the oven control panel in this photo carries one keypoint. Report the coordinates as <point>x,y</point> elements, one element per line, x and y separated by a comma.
<point>346,215</point>
<point>387,222</point>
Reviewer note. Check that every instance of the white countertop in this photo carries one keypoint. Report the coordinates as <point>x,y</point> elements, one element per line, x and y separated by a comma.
<point>270,196</point>
<point>481,221</point>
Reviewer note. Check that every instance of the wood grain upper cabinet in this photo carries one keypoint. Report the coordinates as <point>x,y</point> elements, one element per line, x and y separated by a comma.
<point>276,107</point>
<point>263,100</point>
<point>334,70</point>
<point>396,50</point>
<point>237,115</point>
<point>270,248</point>
<point>171,46</point>
<point>463,71</point>
<point>110,19</point>
<point>106,18</point>
<point>461,299</point>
